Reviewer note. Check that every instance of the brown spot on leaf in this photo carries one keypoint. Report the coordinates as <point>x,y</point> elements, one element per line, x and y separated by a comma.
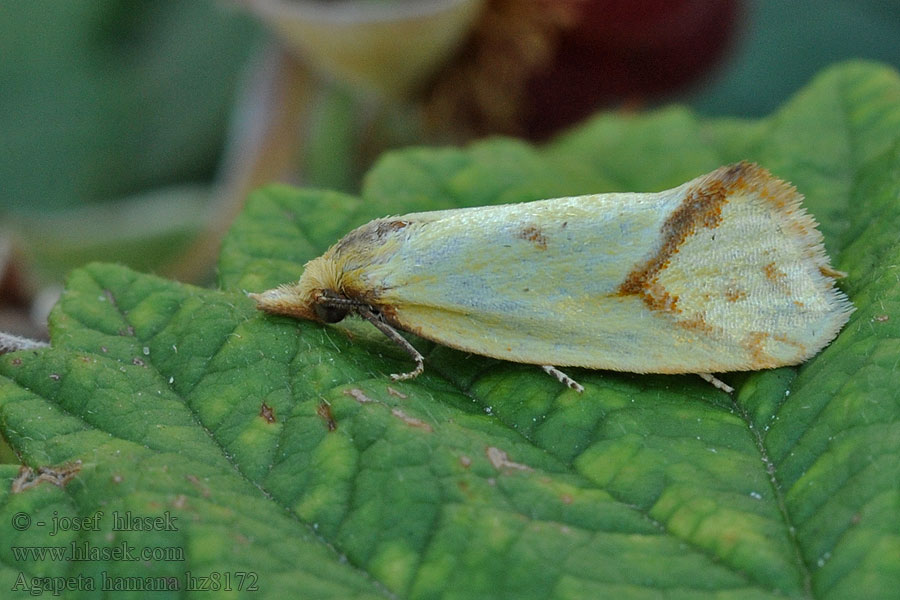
<point>198,485</point>
<point>58,476</point>
<point>411,421</point>
<point>267,413</point>
<point>396,393</point>
<point>701,208</point>
<point>137,362</point>
<point>358,395</point>
<point>500,460</point>
<point>533,234</point>
<point>16,362</point>
<point>324,411</point>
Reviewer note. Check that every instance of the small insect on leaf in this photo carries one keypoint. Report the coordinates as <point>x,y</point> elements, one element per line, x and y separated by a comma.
<point>726,272</point>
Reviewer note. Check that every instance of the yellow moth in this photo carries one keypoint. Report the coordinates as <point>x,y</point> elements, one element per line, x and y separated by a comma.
<point>726,272</point>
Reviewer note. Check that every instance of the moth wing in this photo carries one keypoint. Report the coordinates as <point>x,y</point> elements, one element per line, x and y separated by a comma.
<point>723,273</point>
<point>760,277</point>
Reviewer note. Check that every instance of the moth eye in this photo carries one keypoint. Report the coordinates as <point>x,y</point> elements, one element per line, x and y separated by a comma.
<point>330,313</point>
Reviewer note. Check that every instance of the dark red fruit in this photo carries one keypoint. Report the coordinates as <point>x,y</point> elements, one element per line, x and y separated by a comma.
<point>627,51</point>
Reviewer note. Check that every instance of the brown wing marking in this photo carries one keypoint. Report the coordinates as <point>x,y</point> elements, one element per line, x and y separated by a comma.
<point>702,207</point>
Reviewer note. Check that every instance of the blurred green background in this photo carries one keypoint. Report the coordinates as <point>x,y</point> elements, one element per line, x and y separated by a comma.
<point>130,131</point>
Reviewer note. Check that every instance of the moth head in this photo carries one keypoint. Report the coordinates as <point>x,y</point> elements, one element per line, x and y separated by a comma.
<point>330,307</point>
<point>314,297</point>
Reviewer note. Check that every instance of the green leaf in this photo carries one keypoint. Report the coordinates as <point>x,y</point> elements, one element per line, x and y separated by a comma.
<point>283,449</point>
<point>103,99</point>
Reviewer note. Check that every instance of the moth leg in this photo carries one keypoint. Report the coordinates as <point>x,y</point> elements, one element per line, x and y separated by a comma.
<point>398,339</point>
<point>562,378</point>
<point>709,377</point>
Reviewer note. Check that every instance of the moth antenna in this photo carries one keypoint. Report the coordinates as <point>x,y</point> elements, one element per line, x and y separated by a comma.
<point>337,301</point>
<point>563,378</point>
<point>710,378</point>
<point>398,339</point>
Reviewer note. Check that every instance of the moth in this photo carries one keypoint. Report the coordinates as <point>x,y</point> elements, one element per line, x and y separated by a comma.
<point>726,272</point>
